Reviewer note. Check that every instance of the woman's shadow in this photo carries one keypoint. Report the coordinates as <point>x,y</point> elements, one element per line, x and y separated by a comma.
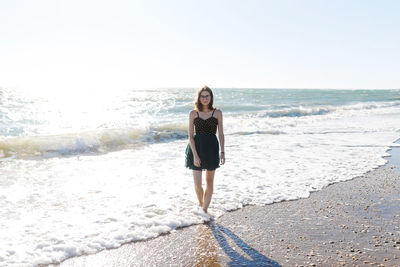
<point>256,258</point>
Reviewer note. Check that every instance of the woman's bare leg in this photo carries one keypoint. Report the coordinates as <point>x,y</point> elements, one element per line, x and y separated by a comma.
<point>198,187</point>
<point>209,189</point>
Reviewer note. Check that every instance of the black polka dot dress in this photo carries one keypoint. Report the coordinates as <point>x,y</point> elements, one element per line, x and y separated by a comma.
<point>206,142</point>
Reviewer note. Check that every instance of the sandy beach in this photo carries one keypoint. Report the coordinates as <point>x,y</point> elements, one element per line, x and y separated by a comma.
<point>352,223</point>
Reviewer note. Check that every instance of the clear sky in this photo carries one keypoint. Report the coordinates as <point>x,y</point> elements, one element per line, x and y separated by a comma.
<point>63,45</point>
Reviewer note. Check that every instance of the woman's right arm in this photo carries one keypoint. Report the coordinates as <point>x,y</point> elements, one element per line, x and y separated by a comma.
<point>192,115</point>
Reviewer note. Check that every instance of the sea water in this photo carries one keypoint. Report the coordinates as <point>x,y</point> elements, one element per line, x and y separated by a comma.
<point>80,173</point>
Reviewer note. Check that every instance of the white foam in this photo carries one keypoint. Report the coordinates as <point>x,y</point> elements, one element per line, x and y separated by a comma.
<point>99,141</point>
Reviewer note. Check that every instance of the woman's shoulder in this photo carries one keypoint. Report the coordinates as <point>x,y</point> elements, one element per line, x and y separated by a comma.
<point>193,112</point>
<point>218,111</point>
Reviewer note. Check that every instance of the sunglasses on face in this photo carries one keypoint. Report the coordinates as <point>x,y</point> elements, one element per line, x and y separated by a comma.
<point>204,96</point>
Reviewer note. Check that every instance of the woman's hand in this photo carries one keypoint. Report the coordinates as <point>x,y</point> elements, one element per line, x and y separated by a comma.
<point>197,161</point>
<point>222,158</point>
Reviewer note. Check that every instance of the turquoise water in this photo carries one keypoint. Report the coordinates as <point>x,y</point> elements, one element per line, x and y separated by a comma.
<point>259,99</point>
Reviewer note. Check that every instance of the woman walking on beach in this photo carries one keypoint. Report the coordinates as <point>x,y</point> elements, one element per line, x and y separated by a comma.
<point>202,152</point>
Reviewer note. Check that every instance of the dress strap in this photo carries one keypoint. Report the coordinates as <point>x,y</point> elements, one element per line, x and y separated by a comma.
<point>213,113</point>
<point>197,114</point>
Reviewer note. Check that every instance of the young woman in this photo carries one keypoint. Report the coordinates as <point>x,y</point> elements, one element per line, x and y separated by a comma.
<point>202,152</point>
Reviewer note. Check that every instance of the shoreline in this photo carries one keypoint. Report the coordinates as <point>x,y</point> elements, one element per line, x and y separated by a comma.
<point>354,222</point>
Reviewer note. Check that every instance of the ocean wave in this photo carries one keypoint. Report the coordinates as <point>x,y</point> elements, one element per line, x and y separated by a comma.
<point>100,141</point>
<point>301,111</point>
<point>296,112</point>
<point>273,132</point>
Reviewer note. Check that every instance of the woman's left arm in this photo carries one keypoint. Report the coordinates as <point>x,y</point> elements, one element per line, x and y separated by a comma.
<point>221,136</point>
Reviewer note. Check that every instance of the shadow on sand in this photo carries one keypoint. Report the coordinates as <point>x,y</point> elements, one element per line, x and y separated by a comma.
<point>222,234</point>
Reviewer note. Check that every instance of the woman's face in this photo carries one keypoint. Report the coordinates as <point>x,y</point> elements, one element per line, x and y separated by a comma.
<point>205,98</point>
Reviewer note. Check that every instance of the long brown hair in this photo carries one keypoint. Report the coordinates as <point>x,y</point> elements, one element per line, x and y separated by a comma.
<point>197,104</point>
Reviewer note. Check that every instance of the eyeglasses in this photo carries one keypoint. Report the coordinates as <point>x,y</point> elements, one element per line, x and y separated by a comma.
<point>204,96</point>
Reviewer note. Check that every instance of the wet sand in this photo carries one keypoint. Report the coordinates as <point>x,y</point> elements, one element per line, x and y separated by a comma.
<point>352,223</point>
